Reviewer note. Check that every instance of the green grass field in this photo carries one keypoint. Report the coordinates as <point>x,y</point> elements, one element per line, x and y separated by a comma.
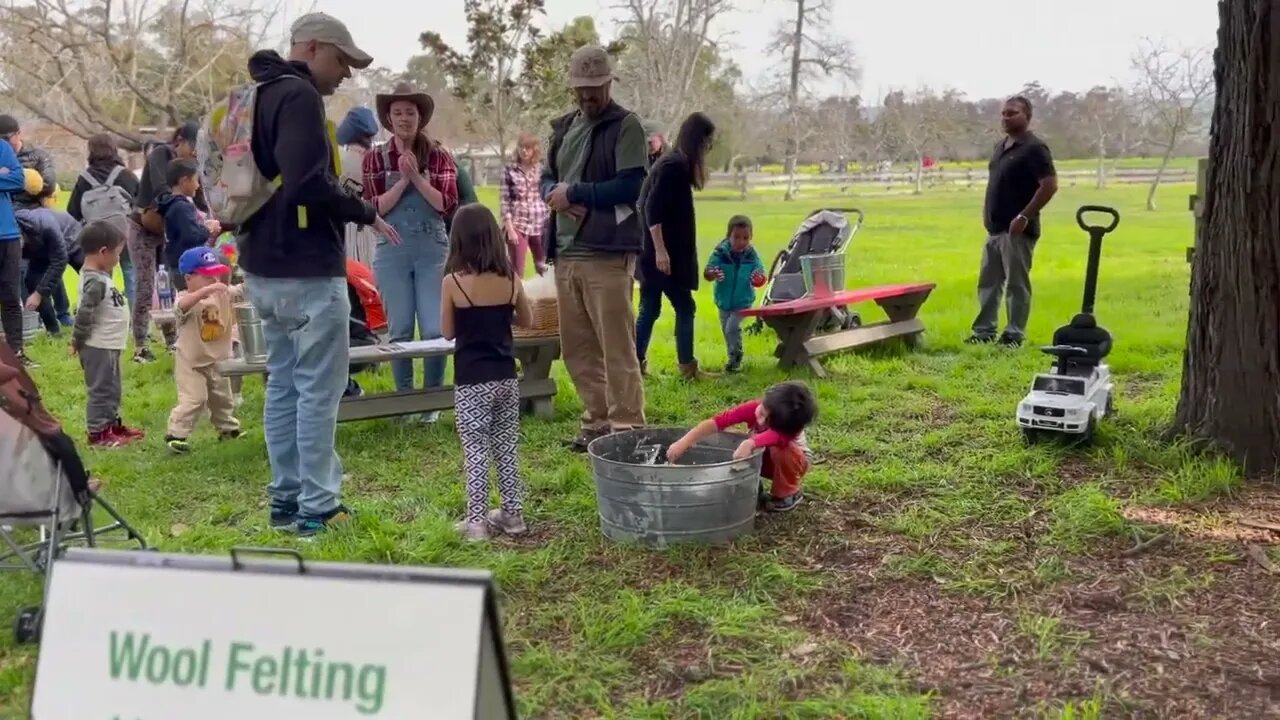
<point>941,568</point>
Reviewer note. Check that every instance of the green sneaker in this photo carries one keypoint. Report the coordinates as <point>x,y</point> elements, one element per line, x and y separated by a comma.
<point>312,526</point>
<point>177,445</point>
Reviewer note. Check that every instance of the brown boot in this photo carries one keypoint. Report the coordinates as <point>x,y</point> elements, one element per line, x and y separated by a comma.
<point>691,371</point>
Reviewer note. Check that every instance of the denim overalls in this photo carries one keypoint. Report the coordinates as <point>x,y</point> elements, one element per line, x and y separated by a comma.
<point>410,275</point>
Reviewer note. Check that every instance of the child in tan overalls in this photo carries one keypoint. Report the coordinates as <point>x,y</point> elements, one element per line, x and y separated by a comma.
<point>204,318</point>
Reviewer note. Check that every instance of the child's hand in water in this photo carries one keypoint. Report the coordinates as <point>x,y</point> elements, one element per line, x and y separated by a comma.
<point>744,450</point>
<point>677,448</point>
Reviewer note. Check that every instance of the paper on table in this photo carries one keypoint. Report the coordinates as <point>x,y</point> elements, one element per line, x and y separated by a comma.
<point>422,345</point>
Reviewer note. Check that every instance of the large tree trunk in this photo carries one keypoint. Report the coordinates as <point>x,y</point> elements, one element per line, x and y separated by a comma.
<point>1231,371</point>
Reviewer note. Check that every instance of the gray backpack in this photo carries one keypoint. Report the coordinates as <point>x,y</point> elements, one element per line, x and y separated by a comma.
<point>105,200</point>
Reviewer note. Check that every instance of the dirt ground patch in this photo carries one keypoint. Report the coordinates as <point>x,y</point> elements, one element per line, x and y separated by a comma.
<point>1187,628</point>
<point>1251,517</point>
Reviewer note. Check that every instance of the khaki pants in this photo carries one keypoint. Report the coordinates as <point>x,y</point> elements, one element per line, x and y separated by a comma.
<point>198,389</point>
<point>598,339</point>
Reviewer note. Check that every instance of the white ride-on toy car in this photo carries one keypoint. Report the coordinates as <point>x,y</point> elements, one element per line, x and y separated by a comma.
<point>1077,391</point>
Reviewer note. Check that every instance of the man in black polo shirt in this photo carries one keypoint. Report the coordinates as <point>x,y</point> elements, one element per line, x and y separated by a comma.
<point>1020,182</point>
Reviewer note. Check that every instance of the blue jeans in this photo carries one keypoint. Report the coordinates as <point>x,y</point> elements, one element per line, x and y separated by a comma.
<point>304,321</point>
<point>731,325</point>
<point>409,277</point>
<point>651,308</point>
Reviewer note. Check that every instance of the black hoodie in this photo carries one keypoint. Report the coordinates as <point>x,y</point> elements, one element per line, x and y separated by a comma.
<point>300,231</point>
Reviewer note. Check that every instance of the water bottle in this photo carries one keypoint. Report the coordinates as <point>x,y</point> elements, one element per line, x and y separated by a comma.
<point>164,289</point>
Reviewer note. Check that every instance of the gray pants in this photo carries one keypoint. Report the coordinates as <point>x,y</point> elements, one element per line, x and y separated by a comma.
<point>1006,270</point>
<point>102,380</point>
<point>731,326</point>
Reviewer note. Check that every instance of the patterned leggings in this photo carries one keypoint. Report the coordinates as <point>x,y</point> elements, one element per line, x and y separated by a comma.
<point>143,248</point>
<point>488,419</point>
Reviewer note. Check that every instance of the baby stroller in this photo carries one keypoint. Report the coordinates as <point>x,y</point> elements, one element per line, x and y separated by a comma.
<point>824,231</point>
<point>44,488</point>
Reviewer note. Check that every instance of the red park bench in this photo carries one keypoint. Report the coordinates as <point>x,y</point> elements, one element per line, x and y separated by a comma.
<point>797,321</point>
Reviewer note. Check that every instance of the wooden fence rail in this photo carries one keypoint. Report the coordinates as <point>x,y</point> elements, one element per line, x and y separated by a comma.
<point>899,181</point>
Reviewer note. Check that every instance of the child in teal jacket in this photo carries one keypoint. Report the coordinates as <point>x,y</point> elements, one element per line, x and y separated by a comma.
<point>736,269</point>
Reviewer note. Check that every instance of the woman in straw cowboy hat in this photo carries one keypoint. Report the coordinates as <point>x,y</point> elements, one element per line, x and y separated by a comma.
<point>414,182</point>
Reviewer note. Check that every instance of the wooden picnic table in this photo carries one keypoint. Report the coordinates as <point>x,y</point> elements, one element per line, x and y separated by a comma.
<point>537,389</point>
<point>796,322</point>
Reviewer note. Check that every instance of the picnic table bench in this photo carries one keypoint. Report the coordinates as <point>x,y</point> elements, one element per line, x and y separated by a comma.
<point>796,322</point>
<point>537,389</point>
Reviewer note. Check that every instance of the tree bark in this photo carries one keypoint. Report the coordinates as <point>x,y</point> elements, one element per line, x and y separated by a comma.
<point>1231,371</point>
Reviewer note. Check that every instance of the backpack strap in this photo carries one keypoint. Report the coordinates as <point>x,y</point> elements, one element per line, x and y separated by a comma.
<point>93,184</point>
<point>115,173</point>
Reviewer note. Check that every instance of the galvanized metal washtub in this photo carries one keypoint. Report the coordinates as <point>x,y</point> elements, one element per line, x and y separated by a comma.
<point>708,497</point>
<point>823,274</point>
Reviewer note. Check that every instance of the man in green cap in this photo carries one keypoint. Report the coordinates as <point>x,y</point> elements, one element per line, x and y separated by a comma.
<point>591,181</point>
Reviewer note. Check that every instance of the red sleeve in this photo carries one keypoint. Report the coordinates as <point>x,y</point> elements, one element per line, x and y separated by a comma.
<point>444,176</point>
<point>744,414</point>
<point>770,438</point>
<point>371,169</point>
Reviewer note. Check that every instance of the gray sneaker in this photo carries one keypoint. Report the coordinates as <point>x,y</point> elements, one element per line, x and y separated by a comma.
<point>472,531</point>
<point>507,523</point>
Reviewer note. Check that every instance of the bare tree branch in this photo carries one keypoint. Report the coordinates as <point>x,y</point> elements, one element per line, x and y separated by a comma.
<point>91,66</point>
<point>1172,89</point>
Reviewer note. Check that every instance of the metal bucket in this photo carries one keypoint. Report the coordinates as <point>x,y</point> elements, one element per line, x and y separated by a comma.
<point>30,325</point>
<point>253,344</point>
<point>707,498</point>
<point>823,274</point>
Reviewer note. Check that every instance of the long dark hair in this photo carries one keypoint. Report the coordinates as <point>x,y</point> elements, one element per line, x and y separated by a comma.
<point>102,149</point>
<point>476,245</point>
<point>692,142</point>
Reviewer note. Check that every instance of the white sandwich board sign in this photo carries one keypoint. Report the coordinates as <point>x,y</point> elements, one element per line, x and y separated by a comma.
<point>151,636</point>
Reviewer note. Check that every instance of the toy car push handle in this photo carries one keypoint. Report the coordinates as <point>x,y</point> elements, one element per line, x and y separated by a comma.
<point>1095,250</point>
<point>1115,218</point>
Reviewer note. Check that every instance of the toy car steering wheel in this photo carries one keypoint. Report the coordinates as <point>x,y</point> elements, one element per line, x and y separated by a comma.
<point>1065,350</point>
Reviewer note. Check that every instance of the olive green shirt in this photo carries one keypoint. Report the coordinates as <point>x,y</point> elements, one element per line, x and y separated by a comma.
<point>632,151</point>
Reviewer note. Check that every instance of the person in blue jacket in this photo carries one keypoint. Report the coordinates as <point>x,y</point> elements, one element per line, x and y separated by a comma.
<point>11,181</point>
<point>184,228</point>
<point>736,269</point>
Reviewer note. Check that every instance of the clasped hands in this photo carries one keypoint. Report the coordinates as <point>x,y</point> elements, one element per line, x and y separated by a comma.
<point>558,200</point>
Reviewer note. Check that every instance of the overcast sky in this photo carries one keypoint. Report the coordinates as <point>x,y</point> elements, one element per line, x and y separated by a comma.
<point>983,47</point>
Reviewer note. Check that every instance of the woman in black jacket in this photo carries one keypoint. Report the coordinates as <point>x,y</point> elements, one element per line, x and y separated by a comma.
<point>104,158</point>
<point>669,261</point>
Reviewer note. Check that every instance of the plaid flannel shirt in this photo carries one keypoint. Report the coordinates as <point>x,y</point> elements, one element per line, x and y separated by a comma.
<point>441,171</point>
<point>522,203</point>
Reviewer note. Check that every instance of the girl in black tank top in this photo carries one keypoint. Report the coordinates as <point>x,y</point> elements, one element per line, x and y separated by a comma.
<point>481,298</point>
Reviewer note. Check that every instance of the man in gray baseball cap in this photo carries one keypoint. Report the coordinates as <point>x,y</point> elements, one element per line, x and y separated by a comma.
<point>591,181</point>
<point>293,255</point>
<point>317,32</point>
